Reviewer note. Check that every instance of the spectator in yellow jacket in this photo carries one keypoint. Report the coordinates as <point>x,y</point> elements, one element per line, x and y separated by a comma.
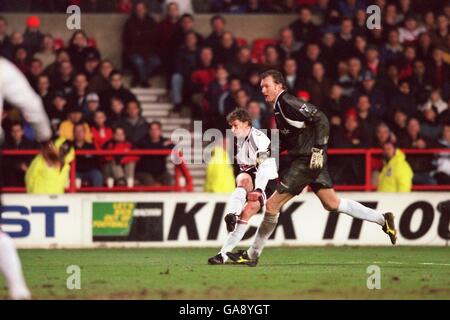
<point>66,127</point>
<point>219,173</point>
<point>47,177</point>
<point>396,175</point>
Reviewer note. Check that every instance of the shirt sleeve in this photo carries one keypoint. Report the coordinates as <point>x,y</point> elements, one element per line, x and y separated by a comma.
<point>17,91</point>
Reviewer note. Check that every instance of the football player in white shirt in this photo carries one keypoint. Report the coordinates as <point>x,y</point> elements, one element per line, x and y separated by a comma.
<point>254,183</point>
<point>16,90</point>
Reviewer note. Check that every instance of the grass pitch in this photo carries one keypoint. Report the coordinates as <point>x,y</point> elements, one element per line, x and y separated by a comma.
<point>283,273</point>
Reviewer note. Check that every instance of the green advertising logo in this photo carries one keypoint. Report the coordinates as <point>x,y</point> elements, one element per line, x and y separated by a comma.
<point>112,218</point>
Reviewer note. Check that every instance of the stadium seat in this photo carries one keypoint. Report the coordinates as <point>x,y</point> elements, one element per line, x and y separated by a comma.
<point>258,48</point>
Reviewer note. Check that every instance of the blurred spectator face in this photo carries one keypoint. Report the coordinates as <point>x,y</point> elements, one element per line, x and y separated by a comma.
<point>430,114</point>
<point>75,116</point>
<point>347,27</point>
<point>222,75</point>
<point>36,67</point>
<point>191,41</point>
<point>21,54</point>
<point>360,17</point>
<point>318,71</point>
<point>354,67</point>
<point>218,26</point>
<point>336,91</point>
<point>90,65</point>
<point>438,55</point>
<point>254,79</point>
<point>227,40</point>
<point>66,69</point>
<point>99,118</point>
<point>400,119</point>
<point>446,133</point>
<point>106,68</point>
<point>206,56</point>
<point>411,24</point>
<point>173,11</point>
<point>428,18</point>
<point>305,16</point>
<point>287,37</point>
<point>371,55</point>
<point>17,133</point>
<point>254,109</point>
<point>117,106</point>
<point>435,96</point>
<point>133,110</point>
<point>393,37</point>
<point>63,56</point>
<point>16,39</point>
<point>187,23</point>
<point>351,124</point>
<point>116,82</point>
<point>313,52</point>
<point>43,83</point>
<point>271,55</point>
<point>328,39</point>
<point>404,88</point>
<point>360,43</point>
<point>241,98</point>
<point>80,40</point>
<point>383,133</point>
<point>419,68</point>
<point>363,104</point>
<point>80,83</point>
<point>342,68</point>
<point>235,85</point>
<point>3,27</point>
<point>290,67</point>
<point>93,106</point>
<point>392,71</point>
<point>140,10</point>
<point>391,12</point>
<point>413,127</point>
<point>119,135</point>
<point>79,133</point>
<point>47,43</point>
<point>442,22</point>
<point>59,103</point>
<point>424,40</point>
<point>368,84</point>
<point>155,132</point>
<point>388,150</point>
<point>244,55</point>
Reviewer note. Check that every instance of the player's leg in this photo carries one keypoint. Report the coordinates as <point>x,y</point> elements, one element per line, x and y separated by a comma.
<point>244,184</point>
<point>333,203</point>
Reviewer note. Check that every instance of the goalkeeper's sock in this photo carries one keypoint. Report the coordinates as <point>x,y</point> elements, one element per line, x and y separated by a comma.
<point>237,200</point>
<point>10,266</point>
<point>233,238</point>
<point>357,210</point>
<point>265,230</point>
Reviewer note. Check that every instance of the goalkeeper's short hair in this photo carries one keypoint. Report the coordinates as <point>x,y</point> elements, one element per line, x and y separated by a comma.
<point>239,114</point>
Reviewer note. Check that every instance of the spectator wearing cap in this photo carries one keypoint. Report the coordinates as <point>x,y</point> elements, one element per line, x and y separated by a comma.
<point>134,124</point>
<point>99,82</point>
<point>140,43</point>
<point>396,174</point>
<point>33,37</point>
<point>92,105</point>
<point>369,88</point>
<point>57,112</point>
<point>75,116</point>
<point>116,89</point>
<point>47,51</point>
<point>91,64</point>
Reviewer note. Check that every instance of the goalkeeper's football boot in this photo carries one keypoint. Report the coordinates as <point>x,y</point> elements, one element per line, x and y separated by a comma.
<point>231,220</point>
<point>389,227</point>
<point>242,257</point>
<point>217,259</point>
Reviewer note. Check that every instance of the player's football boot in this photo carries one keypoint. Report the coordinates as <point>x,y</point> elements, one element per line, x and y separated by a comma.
<point>231,220</point>
<point>242,257</point>
<point>389,227</point>
<point>217,259</point>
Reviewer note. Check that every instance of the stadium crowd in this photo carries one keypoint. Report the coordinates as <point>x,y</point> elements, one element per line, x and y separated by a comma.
<point>376,85</point>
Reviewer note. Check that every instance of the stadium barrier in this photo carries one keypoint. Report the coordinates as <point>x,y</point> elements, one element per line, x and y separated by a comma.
<point>182,170</point>
<point>88,220</point>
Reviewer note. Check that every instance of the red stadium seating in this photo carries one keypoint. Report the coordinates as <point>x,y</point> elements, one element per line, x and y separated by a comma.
<point>259,46</point>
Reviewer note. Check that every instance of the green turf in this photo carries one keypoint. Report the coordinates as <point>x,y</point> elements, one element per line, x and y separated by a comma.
<point>283,273</point>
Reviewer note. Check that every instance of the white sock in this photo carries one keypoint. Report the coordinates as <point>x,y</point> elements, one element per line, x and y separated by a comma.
<point>233,239</point>
<point>10,266</point>
<point>357,210</point>
<point>265,230</point>
<point>237,200</point>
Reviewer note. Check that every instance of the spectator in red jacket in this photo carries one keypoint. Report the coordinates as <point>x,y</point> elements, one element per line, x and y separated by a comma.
<point>101,133</point>
<point>119,169</point>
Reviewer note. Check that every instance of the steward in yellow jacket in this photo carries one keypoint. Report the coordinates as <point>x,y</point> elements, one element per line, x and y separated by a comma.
<point>396,175</point>
<point>219,173</point>
<point>45,177</point>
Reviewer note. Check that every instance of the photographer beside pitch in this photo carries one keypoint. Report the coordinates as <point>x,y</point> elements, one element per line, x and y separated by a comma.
<point>304,132</point>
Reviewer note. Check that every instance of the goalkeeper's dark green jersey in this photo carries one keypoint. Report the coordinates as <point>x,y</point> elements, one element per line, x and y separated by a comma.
<point>302,125</point>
